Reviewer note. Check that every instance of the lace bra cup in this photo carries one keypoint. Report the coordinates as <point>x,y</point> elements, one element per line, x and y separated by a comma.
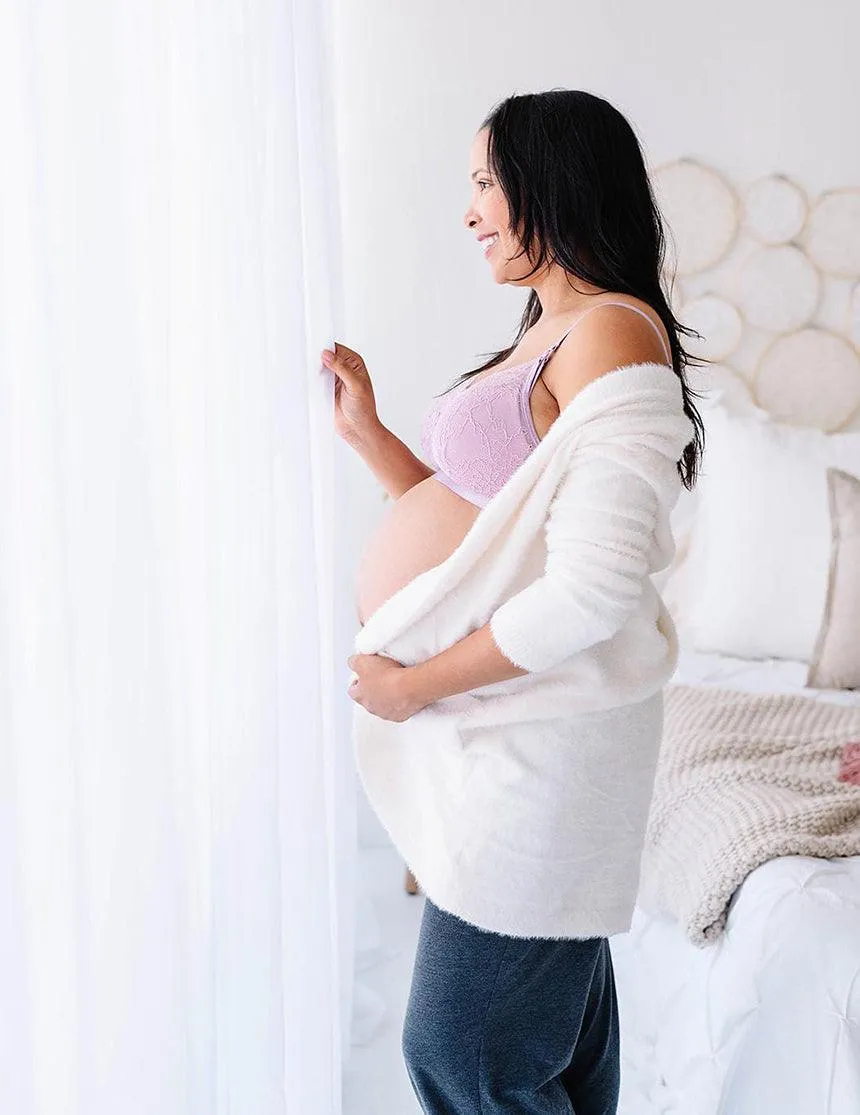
<point>478,434</point>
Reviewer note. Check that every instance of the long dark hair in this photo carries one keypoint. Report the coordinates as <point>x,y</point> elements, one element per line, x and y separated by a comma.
<point>572,170</point>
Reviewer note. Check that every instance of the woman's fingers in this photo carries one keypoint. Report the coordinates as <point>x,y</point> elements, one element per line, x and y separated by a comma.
<point>345,363</point>
<point>355,403</point>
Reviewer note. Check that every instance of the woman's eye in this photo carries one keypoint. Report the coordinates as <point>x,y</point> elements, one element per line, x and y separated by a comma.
<point>482,182</point>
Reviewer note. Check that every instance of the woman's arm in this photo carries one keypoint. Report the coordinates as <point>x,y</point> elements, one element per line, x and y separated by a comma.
<point>599,532</point>
<point>467,664</point>
<point>392,462</point>
<point>395,692</point>
<point>598,537</point>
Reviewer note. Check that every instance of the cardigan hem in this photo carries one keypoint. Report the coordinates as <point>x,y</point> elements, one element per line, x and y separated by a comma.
<point>616,919</point>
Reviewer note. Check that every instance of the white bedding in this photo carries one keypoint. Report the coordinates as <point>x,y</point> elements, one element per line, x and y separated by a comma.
<point>768,1018</point>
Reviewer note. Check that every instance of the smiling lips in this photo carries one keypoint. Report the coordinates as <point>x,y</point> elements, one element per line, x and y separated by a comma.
<point>490,243</point>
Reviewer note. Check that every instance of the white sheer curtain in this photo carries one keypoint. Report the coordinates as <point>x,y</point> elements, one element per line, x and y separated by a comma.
<point>176,786</point>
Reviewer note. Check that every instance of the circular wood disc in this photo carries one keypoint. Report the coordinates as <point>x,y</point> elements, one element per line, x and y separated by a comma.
<point>721,386</point>
<point>719,322</point>
<point>777,288</point>
<point>853,329</point>
<point>809,378</point>
<point>833,233</point>
<point>700,210</point>
<point>775,209</point>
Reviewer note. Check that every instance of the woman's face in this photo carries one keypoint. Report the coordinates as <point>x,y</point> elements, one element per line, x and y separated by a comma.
<point>488,215</point>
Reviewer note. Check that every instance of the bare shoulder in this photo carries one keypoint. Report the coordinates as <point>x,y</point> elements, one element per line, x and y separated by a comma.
<point>609,336</point>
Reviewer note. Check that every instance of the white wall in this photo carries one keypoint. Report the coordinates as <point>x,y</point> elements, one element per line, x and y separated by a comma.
<point>748,86</point>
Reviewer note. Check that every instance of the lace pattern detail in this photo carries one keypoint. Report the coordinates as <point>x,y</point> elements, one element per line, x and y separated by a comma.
<point>479,433</point>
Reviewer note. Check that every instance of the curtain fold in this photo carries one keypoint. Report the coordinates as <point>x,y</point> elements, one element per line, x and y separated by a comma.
<point>177,826</point>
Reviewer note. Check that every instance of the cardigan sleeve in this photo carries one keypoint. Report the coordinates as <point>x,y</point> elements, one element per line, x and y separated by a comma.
<point>599,534</point>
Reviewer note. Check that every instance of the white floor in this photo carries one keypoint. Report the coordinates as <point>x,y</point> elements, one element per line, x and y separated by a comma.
<point>375,1078</point>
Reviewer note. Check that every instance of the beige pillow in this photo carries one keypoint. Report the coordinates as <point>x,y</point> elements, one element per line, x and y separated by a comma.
<point>835,662</point>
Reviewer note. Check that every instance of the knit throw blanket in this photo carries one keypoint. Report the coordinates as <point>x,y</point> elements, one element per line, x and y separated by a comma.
<point>741,779</point>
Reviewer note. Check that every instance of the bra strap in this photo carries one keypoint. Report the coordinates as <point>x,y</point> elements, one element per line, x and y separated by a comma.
<point>591,309</point>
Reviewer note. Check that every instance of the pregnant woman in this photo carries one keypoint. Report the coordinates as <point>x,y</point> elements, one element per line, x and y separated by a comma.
<point>526,1022</point>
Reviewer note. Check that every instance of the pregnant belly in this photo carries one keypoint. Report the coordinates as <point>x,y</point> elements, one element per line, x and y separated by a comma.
<point>421,529</point>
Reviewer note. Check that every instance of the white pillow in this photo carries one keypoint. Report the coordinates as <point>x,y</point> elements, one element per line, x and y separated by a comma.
<point>760,550</point>
<point>717,387</point>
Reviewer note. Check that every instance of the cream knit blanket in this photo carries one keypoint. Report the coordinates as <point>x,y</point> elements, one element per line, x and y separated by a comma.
<point>742,778</point>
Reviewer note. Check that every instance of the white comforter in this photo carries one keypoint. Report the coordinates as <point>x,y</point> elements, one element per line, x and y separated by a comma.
<point>767,1020</point>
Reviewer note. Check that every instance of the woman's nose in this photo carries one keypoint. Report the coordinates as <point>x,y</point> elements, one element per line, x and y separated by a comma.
<point>470,219</point>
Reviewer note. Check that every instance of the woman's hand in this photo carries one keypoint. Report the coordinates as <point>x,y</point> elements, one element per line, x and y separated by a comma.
<point>355,416</point>
<point>382,687</point>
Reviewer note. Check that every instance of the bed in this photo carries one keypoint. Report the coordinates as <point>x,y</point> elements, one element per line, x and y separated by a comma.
<point>767,1018</point>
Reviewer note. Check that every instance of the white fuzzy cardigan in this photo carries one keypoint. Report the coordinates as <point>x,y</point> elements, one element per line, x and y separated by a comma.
<point>521,806</point>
